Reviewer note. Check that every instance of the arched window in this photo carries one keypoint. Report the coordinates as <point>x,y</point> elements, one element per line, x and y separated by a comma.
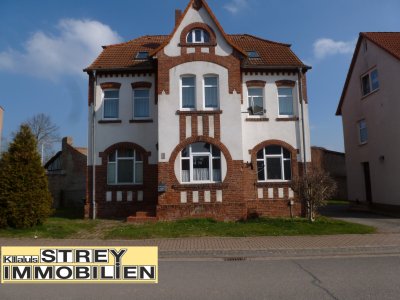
<point>125,166</point>
<point>198,36</point>
<point>201,162</point>
<point>274,164</point>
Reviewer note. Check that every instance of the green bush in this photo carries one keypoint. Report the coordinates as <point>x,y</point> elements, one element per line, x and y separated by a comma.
<point>25,200</point>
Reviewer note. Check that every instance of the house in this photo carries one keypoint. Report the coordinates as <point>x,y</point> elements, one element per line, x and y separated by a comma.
<point>66,173</point>
<point>334,163</point>
<point>1,126</point>
<point>369,107</point>
<point>197,123</point>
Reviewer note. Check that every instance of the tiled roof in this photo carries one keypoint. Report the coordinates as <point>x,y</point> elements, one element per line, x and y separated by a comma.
<point>271,54</point>
<point>389,41</point>
<point>122,56</point>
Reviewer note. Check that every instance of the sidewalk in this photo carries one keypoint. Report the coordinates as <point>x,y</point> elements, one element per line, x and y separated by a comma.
<point>244,247</point>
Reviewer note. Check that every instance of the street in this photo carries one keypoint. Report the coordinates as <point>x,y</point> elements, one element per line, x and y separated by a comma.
<point>366,277</point>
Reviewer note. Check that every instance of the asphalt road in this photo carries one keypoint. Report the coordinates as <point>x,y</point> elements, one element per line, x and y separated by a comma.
<point>369,277</point>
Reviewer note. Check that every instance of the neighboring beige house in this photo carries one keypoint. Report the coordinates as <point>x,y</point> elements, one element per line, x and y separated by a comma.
<point>334,163</point>
<point>197,123</point>
<point>370,108</point>
<point>66,172</point>
<point>1,125</point>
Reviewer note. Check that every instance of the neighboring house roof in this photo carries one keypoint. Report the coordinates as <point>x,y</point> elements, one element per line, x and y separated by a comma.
<point>388,41</point>
<point>123,56</point>
<point>53,159</point>
<point>81,150</point>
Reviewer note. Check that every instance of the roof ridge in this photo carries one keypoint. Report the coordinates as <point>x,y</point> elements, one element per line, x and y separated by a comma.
<point>134,40</point>
<point>261,39</point>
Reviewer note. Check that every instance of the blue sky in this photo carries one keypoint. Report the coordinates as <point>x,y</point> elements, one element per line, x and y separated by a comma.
<point>45,44</point>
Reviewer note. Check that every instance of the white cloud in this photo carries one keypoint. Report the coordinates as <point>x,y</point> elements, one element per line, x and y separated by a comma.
<point>325,47</point>
<point>236,6</point>
<point>75,45</point>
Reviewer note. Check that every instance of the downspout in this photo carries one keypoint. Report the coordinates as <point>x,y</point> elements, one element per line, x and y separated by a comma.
<point>302,120</point>
<point>94,149</point>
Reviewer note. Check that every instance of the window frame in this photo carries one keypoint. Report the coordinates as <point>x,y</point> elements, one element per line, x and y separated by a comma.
<point>251,103</point>
<point>211,158</point>
<point>104,104</point>
<point>368,75</point>
<point>204,91</point>
<point>284,96</point>
<point>204,33</point>
<point>142,55</point>
<point>282,164</point>
<point>360,128</point>
<point>115,163</point>
<point>148,103</point>
<point>181,92</point>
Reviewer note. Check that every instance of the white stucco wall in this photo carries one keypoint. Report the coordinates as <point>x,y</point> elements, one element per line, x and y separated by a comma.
<point>381,112</point>
<point>194,16</point>
<point>169,104</point>
<point>289,132</point>
<point>143,134</point>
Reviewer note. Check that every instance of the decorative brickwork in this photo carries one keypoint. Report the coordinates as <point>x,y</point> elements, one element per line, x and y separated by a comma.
<point>141,84</point>
<point>129,202</point>
<point>256,83</point>
<point>197,25</point>
<point>285,83</point>
<point>110,85</point>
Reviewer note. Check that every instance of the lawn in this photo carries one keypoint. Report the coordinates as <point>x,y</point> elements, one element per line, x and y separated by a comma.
<point>59,228</point>
<point>54,227</point>
<point>257,227</point>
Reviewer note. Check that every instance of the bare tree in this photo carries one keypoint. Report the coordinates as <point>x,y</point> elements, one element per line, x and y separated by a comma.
<point>45,132</point>
<point>314,188</point>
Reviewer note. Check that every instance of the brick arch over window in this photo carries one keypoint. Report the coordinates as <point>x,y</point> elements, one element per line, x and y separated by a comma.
<point>285,83</point>
<point>205,27</point>
<point>293,153</point>
<point>125,145</point>
<point>231,63</point>
<point>141,85</point>
<point>204,139</point>
<point>110,85</point>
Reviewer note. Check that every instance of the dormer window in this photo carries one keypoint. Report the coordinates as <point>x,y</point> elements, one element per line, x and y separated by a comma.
<point>142,55</point>
<point>198,36</point>
<point>253,54</point>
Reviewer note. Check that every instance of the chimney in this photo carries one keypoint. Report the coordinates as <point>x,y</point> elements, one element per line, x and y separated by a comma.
<point>178,15</point>
<point>66,141</point>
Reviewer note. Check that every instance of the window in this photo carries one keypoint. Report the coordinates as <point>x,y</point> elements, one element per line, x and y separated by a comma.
<point>142,55</point>
<point>201,162</point>
<point>274,164</point>
<point>141,101</point>
<point>189,92</point>
<point>363,131</point>
<point>285,95</point>
<point>256,101</point>
<point>111,104</point>
<point>370,82</point>
<point>125,166</point>
<point>211,91</point>
<point>198,36</point>
<point>253,54</point>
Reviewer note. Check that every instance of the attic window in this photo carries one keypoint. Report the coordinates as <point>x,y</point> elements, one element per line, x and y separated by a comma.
<point>253,54</point>
<point>198,36</point>
<point>142,55</point>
